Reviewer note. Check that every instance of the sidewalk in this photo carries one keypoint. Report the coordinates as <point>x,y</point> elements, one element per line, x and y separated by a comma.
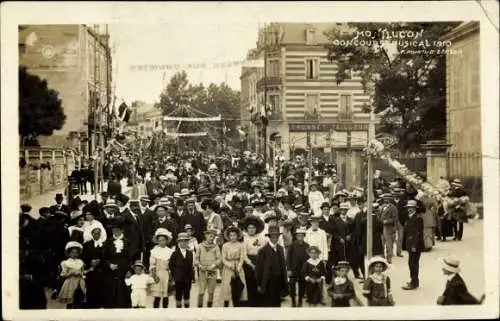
<point>48,199</point>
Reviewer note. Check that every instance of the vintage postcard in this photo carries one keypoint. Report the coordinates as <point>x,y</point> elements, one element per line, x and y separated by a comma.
<point>250,160</point>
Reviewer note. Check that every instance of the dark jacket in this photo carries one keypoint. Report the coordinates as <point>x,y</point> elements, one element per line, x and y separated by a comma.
<point>196,221</point>
<point>114,187</point>
<point>181,267</point>
<point>133,232</point>
<point>413,236</point>
<point>64,208</point>
<point>456,293</point>
<point>296,257</point>
<point>264,270</point>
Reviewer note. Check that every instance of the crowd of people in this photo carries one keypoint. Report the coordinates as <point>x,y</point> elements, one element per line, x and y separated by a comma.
<point>224,222</point>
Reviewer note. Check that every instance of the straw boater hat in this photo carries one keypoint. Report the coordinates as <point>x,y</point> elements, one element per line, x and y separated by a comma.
<point>75,215</point>
<point>451,265</point>
<point>411,203</point>
<point>212,231</point>
<point>314,218</point>
<point>313,248</point>
<point>248,208</point>
<point>325,204</point>
<point>270,215</point>
<point>144,198</point>
<point>378,259</point>
<point>184,192</point>
<point>162,232</point>
<point>138,263</point>
<point>190,200</point>
<point>344,206</point>
<point>301,230</point>
<point>253,220</point>
<point>72,245</point>
<point>342,264</point>
<point>230,230</point>
<point>183,237</point>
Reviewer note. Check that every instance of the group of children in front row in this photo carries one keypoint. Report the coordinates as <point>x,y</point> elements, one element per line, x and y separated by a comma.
<point>174,269</point>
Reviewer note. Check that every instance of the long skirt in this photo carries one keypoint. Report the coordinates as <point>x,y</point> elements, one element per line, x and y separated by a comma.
<point>251,282</point>
<point>227,275</point>
<point>95,296</point>
<point>429,237</point>
<point>446,227</point>
<point>118,294</point>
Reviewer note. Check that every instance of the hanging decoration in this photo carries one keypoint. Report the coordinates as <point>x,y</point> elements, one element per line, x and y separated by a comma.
<point>192,119</point>
<point>174,134</point>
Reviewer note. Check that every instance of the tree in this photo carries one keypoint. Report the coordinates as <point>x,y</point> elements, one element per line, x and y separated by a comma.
<point>183,99</point>
<point>40,109</point>
<point>407,89</point>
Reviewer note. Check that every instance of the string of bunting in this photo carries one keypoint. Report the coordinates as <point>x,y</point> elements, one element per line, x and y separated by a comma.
<point>197,134</point>
<point>192,119</point>
<point>215,65</point>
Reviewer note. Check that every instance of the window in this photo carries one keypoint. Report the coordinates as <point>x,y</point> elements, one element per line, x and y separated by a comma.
<point>274,105</point>
<point>457,80</point>
<point>91,62</point>
<point>273,68</point>
<point>312,68</point>
<point>345,111</point>
<point>312,105</point>
<point>310,33</point>
<point>473,65</point>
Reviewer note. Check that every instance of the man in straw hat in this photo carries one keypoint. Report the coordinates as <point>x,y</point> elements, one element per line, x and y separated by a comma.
<point>270,270</point>
<point>413,243</point>
<point>455,292</point>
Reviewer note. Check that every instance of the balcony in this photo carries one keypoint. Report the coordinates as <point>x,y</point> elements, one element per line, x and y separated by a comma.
<point>269,82</point>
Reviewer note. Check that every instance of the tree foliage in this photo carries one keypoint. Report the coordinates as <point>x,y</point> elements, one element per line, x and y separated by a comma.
<point>406,88</point>
<point>181,98</point>
<point>40,109</point>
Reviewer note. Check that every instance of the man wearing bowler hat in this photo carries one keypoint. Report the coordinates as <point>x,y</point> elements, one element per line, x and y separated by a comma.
<point>413,243</point>
<point>270,270</point>
<point>59,206</point>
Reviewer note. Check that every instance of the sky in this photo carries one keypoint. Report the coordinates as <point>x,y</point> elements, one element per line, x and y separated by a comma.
<point>162,44</point>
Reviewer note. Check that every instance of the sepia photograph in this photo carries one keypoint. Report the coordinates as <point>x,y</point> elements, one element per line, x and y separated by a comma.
<point>232,162</point>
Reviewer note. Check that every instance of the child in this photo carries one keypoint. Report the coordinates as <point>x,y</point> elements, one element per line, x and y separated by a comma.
<point>208,260</point>
<point>341,290</point>
<point>296,258</point>
<point>314,273</point>
<point>73,289</point>
<point>139,283</point>
<point>377,287</point>
<point>456,292</point>
<point>158,266</point>
<point>181,267</point>
<point>92,256</point>
<point>192,244</point>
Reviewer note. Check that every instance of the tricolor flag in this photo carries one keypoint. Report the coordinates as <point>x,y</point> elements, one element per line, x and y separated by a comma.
<point>124,112</point>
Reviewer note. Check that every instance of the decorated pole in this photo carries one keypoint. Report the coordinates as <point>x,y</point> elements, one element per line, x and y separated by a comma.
<point>369,199</point>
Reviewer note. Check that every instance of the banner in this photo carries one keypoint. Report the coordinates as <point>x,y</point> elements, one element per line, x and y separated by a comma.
<point>198,134</point>
<point>255,63</point>
<point>192,119</point>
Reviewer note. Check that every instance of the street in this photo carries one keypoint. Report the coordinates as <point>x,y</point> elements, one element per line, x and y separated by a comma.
<point>432,281</point>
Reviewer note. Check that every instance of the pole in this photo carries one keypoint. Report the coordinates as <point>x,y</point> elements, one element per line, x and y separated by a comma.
<point>348,164</point>
<point>273,147</point>
<point>97,115</point>
<point>309,150</point>
<point>369,199</point>
<point>264,124</point>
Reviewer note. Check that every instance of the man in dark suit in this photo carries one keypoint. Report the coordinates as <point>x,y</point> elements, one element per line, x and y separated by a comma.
<point>181,267</point>
<point>400,203</point>
<point>456,292</point>
<point>133,225</point>
<point>270,270</point>
<point>114,187</point>
<point>413,243</point>
<point>59,206</point>
<point>193,218</point>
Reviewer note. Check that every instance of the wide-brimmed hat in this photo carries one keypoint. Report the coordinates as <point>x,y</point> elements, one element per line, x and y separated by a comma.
<point>451,265</point>
<point>270,215</point>
<point>75,215</point>
<point>313,248</point>
<point>253,220</point>
<point>138,263</point>
<point>315,218</point>
<point>378,259</point>
<point>183,237</point>
<point>72,245</point>
<point>387,196</point>
<point>273,230</point>
<point>248,208</point>
<point>61,214</point>
<point>344,206</point>
<point>190,200</point>
<point>162,232</point>
<point>144,198</point>
<point>185,192</point>
<point>301,230</point>
<point>122,198</point>
<point>341,264</point>
<point>230,230</point>
<point>203,191</point>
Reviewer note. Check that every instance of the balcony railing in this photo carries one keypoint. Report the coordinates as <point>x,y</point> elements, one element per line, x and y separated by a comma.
<point>273,81</point>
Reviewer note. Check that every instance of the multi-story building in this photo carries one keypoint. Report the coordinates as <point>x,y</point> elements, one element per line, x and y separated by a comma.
<point>145,119</point>
<point>463,89</point>
<point>298,82</point>
<point>75,60</point>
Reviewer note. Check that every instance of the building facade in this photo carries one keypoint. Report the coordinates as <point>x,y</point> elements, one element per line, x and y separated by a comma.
<point>250,104</point>
<point>76,61</point>
<point>463,89</point>
<point>299,83</point>
<point>145,119</point>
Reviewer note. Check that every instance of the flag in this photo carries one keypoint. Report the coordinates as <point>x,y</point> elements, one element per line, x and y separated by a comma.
<point>32,39</point>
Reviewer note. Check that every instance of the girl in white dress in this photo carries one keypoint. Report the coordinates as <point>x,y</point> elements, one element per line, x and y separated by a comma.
<point>158,266</point>
<point>73,289</point>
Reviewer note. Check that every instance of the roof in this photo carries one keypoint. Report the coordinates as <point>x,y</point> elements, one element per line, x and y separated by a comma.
<point>295,33</point>
<point>462,30</point>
